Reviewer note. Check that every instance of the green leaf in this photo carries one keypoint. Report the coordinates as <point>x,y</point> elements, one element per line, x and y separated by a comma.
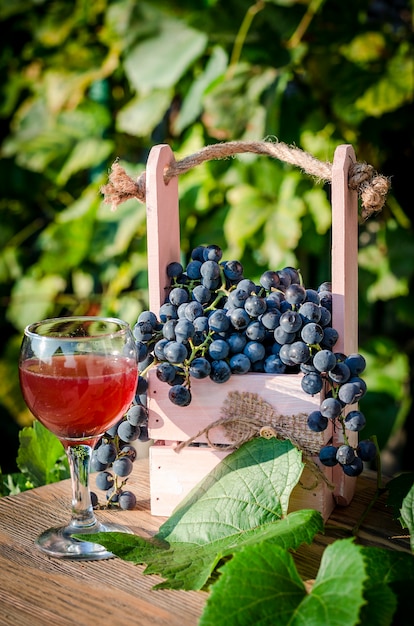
<point>143,113</point>
<point>241,502</point>
<point>398,488</point>
<point>260,582</point>
<point>192,105</point>
<point>261,585</point>
<point>33,298</point>
<point>393,89</point>
<point>41,456</point>
<point>407,514</point>
<point>158,62</point>
<point>87,153</point>
<point>388,586</point>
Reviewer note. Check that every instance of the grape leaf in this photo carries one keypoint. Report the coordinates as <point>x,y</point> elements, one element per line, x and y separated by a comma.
<point>398,488</point>
<point>407,514</point>
<point>242,501</point>
<point>261,585</point>
<point>41,456</point>
<point>388,587</point>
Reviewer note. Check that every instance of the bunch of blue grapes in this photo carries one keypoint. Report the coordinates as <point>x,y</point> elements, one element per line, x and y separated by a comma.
<point>216,323</point>
<point>114,454</point>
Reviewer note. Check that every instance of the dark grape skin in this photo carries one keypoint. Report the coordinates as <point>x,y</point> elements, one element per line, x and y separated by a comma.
<point>317,422</point>
<point>123,466</point>
<point>180,395</point>
<point>127,500</point>
<point>104,481</point>
<point>327,456</point>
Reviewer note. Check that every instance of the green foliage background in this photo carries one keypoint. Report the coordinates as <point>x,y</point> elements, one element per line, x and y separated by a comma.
<point>83,83</point>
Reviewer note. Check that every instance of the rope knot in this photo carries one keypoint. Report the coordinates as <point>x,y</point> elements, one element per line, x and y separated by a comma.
<point>372,188</point>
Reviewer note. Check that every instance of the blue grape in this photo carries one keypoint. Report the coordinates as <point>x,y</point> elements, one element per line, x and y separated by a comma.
<point>327,456</point>
<point>240,364</point>
<point>355,421</point>
<point>123,466</point>
<point>312,334</point>
<point>218,321</point>
<point>340,373</point>
<point>317,422</point>
<point>355,468</point>
<point>237,342</point>
<point>184,330</point>
<point>128,432</point>
<point>299,352</point>
<point>137,414</point>
<point>200,368</point>
<point>193,270</point>
<point>348,393</point>
<point>179,395</point>
<point>143,331</point>
<point>212,252</point>
<point>356,364</point>
<point>274,365</point>
<point>220,371</point>
<point>310,312</point>
<point>330,337</point>
<point>312,383</point>
<point>165,372</point>
<point>295,294</point>
<point>237,298</point>
<point>269,280</point>
<point>331,408</point>
<point>106,453</point>
<point>104,481</point>
<point>127,500</point>
<point>175,352</point>
<point>255,331</point>
<point>290,321</point>
<point>345,454</point>
<point>168,330</point>
<point>271,318</point>
<point>283,337</point>
<point>178,295</point>
<point>201,294</point>
<point>174,269</point>
<point>233,270</point>
<point>193,310</point>
<point>255,306</point>
<point>210,270</point>
<point>218,349</point>
<point>239,318</point>
<point>168,311</point>
<point>255,351</point>
<point>324,360</point>
<point>367,450</point>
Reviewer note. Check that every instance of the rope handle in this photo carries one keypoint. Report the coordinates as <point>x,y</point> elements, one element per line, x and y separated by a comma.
<point>372,188</point>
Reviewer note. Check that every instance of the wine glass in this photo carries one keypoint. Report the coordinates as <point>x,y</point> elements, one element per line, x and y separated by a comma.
<point>78,376</point>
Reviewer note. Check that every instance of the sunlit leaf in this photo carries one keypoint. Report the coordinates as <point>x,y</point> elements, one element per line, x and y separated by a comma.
<point>158,62</point>
<point>140,116</point>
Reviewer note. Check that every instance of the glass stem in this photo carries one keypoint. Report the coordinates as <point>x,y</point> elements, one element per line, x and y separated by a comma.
<point>79,458</point>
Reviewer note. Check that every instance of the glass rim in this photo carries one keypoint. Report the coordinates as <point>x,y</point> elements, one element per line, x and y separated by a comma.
<point>124,326</point>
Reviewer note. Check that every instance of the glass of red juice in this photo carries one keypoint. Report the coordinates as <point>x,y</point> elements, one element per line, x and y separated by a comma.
<point>78,377</point>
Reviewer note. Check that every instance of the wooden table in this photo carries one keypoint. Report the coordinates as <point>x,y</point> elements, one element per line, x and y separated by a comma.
<point>38,591</point>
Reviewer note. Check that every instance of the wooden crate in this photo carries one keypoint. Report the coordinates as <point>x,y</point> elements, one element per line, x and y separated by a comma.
<point>173,474</point>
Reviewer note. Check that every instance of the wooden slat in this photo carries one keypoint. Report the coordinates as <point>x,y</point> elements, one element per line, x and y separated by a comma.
<point>163,224</point>
<point>344,286</point>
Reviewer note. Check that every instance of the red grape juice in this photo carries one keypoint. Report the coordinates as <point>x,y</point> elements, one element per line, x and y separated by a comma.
<point>78,396</point>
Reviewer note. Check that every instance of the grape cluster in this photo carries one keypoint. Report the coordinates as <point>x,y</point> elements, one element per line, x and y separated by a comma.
<point>216,323</point>
<point>114,454</point>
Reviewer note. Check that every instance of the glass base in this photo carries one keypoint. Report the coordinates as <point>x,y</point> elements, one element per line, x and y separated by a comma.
<point>59,543</point>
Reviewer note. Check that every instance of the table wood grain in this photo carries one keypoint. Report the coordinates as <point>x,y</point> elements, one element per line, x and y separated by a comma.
<point>37,591</point>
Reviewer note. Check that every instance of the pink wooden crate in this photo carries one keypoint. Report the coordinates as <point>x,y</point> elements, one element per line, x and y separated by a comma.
<point>173,474</point>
